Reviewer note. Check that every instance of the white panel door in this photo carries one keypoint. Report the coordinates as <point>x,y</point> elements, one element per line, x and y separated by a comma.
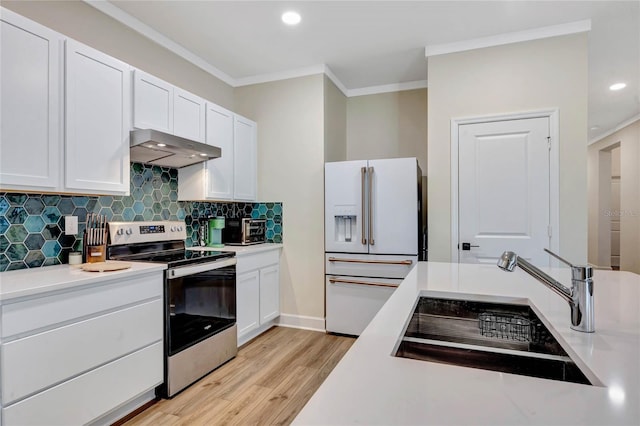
<point>247,302</point>
<point>31,82</point>
<point>98,102</point>
<point>245,160</point>
<point>152,102</point>
<point>188,115</point>
<point>269,293</point>
<point>220,170</point>
<point>344,207</point>
<point>504,190</point>
<point>393,212</point>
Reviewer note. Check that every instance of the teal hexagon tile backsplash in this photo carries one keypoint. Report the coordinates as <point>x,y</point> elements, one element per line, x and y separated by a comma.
<point>32,225</point>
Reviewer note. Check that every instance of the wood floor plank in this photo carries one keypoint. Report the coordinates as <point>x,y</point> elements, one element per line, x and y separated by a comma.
<point>268,382</point>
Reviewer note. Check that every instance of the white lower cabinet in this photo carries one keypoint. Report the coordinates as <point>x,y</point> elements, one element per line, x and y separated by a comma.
<point>77,363</point>
<point>257,293</point>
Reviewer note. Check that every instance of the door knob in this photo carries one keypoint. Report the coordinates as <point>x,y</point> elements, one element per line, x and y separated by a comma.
<point>467,246</point>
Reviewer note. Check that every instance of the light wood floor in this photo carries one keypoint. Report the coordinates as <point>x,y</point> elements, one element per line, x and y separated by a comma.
<point>268,382</point>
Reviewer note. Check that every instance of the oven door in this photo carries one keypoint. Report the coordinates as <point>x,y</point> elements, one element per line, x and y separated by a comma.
<point>201,302</point>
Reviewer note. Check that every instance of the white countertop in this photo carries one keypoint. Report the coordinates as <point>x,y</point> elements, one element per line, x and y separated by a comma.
<point>34,281</point>
<point>241,250</point>
<point>370,386</point>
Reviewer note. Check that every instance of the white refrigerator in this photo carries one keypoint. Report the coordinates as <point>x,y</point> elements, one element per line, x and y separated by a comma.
<point>372,236</point>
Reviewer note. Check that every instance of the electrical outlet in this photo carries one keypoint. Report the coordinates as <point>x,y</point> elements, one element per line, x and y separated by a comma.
<point>70,225</point>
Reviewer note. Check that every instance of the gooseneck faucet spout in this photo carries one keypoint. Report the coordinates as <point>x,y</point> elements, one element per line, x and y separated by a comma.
<point>579,297</point>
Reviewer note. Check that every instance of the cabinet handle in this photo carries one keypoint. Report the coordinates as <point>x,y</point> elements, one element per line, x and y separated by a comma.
<point>371,240</point>
<point>338,280</point>
<point>363,172</point>
<point>377,262</point>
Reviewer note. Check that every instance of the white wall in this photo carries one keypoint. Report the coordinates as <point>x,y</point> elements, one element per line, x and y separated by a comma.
<point>388,125</point>
<point>629,140</point>
<point>335,122</point>
<point>535,75</point>
<point>290,116</point>
<point>87,25</point>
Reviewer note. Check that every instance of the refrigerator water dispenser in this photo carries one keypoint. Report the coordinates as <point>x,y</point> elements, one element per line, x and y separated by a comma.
<point>345,223</point>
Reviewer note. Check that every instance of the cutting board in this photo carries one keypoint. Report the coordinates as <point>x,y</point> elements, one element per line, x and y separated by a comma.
<point>110,265</point>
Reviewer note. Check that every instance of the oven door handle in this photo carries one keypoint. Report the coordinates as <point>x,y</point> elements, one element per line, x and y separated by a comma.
<point>195,269</point>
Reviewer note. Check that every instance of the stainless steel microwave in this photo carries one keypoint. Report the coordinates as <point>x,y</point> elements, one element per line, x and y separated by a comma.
<point>246,231</point>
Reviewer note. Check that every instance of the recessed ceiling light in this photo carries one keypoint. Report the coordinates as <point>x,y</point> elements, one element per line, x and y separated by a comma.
<point>617,86</point>
<point>161,145</point>
<point>203,155</point>
<point>291,18</point>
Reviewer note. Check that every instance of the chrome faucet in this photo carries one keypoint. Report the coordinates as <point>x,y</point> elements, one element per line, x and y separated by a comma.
<point>579,297</point>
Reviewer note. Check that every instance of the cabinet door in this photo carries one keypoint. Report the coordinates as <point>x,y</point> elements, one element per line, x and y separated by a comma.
<point>220,170</point>
<point>97,121</point>
<point>152,103</point>
<point>31,81</point>
<point>247,302</point>
<point>245,161</point>
<point>269,293</point>
<point>188,115</point>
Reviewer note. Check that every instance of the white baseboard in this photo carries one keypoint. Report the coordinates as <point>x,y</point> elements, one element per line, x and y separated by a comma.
<point>301,321</point>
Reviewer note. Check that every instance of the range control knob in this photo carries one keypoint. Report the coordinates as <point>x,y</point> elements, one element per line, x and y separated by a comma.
<point>129,231</point>
<point>179,228</point>
<point>120,231</point>
<point>173,229</point>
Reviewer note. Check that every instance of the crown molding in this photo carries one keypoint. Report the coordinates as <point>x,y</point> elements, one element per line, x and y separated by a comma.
<point>387,88</point>
<point>148,32</point>
<point>508,38</point>
<point>329,73</point>
<point>124,18</point>
<point>615,129</point>
<point>280,75</point>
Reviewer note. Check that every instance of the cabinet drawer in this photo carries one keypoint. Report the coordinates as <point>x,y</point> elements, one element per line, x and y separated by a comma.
<point>351,306</point>
<point>256,261</point>
<point>366,265</point>
<point>41,360</point>
<point>38,313</point>
<point>91,395</point>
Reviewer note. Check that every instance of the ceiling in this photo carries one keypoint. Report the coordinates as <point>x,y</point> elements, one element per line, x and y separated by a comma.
<point>368,44</point>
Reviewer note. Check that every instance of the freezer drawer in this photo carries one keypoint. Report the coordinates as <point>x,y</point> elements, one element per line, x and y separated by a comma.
<point>352,302</point>
<point>366,265</point>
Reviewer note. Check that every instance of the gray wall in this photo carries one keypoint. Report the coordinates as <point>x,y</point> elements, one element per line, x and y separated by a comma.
<point>388,125</point>
<point>519,77</point>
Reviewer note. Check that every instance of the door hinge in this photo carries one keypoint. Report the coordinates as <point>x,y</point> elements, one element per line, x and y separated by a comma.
<point>549,142</point>
<point>549,231</point>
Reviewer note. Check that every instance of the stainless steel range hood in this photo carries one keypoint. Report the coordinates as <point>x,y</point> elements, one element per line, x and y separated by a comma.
<point>162,149</point>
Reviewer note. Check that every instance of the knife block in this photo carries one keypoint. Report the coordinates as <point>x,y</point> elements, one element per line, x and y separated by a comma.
<point>93,254</point>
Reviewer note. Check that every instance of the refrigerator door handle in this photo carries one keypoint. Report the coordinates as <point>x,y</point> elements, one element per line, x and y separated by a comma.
<point>370,283</point>
<point>363,172</point>
<point>407,262</point>
<point>371,240</point>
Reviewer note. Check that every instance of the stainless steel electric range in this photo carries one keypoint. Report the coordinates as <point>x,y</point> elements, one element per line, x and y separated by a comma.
<point>200,298</point>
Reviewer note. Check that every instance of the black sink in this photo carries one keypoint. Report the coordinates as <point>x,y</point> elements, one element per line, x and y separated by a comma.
<point>509,338</point>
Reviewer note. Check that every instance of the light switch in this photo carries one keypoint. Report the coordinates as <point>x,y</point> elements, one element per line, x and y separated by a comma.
<point>70,225</point>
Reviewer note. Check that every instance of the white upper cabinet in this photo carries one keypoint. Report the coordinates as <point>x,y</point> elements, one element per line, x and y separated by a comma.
<point>31,81</point>
<point>98,89</point>
<point>152,102</point>
<point>161,106</point>
<point>245,159</point>
<point>188,115</point>
<point>220,171</point>
<point>233,176</point>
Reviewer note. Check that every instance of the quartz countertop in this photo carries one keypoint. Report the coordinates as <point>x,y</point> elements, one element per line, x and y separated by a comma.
<point>241,250</point>
<point>370,386</point>
<point>35,281</point>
